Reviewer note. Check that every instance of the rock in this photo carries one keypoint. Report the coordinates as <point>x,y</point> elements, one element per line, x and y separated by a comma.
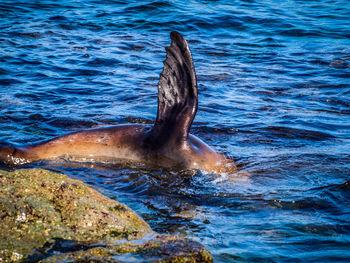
<point>160,248</point>
<point>44,214</point>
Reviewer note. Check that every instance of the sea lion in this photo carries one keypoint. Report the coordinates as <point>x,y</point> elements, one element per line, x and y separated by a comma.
<point>165,144</point>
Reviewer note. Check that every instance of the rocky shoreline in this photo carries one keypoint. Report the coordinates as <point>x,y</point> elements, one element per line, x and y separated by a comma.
<point>48,217</point>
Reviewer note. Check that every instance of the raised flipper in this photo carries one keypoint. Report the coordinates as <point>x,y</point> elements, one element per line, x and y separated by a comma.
<point>177,94</point>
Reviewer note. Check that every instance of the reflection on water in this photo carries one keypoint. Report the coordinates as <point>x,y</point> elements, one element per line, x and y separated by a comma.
<point>273,95</point>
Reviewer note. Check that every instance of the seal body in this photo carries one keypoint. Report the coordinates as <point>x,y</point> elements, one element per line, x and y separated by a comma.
<point>165,144</point>
<point>122,143</point>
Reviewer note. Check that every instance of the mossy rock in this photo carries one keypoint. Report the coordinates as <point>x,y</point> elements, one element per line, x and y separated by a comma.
<point>160,248</point>
<point>38,208</point>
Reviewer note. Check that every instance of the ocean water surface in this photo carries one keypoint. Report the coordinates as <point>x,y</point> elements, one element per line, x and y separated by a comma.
<point>274,94</point>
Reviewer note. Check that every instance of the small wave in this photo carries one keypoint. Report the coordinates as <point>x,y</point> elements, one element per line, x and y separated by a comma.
<point>103,62</point>
<point>293,133</point>
<point>69,124</point>
<point>35,35</point>
<point>150,8</point>
<point>85,72</point>
<point>8,82</point>
<point>57,18</point>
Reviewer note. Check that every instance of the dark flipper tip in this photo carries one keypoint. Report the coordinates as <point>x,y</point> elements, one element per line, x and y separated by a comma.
<point>177,37</point>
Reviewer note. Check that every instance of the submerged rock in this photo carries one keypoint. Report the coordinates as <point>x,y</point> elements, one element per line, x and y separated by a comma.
<point>47,216</point>
<point>160,248</point>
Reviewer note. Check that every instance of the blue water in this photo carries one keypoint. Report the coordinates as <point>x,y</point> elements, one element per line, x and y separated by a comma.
<point>274,87</point>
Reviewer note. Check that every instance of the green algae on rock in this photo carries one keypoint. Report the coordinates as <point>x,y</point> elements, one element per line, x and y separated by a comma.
<point>39,207</point>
